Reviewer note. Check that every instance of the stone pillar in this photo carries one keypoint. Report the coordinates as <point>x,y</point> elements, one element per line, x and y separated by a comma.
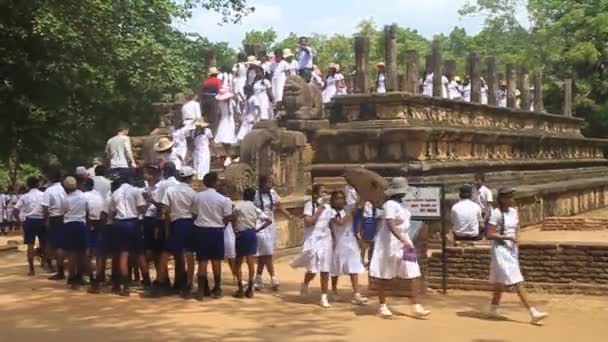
<point>428,64</point>
<point>524,88</point>
<point>568,97</point>
<point>362,63</point>
<point>210,58</point>
<point>492,81</point>
<point>511,86</point>
<point>401,81</point>
<point>449,68</point>
<point>390,56</point>
<point>437,69</point>
<point>475,75</point>
<point>411,71</point>
<point>538,92</point>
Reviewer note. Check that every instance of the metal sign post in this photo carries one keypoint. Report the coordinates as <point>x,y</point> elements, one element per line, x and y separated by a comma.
<point>426,202</point>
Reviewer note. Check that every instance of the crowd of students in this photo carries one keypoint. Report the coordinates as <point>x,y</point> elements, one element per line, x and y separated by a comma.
<point>149,222</point>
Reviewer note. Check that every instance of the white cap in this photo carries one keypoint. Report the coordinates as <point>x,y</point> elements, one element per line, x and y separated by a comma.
<point>186,172</point>
<point>81,170</point>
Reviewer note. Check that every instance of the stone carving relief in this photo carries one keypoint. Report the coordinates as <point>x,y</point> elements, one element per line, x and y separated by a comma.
<point>302,101</point>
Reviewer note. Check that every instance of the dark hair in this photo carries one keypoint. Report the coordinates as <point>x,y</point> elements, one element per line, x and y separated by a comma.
<point>88,184</point>
<point>263,179</point>
<point>121,127</point>
<point>396,197</point>
<point>480,176</point>
<point>249,194</point>
<point>118,182</point>
<point>337,193</point>
<point>101,170</point>
<point>316,188</point>
<point>32,182</point>
<point>210,179</point>
<point>465,195</point>
<point>226,68</point>
<point>241,56</point>
<point>53,174</point>
<point>169,170</point>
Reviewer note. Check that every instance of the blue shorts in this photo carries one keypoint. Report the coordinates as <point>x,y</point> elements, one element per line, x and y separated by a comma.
<point>32,229</point>
<point>208,243</point>
<point>154,234</point>
<point>369,229</point>
<point>126,236</point>
<point>180,236</point>
<point>246,243</point>
<point>103,240</point>
<point>76,236</point>
<point>56,232</point>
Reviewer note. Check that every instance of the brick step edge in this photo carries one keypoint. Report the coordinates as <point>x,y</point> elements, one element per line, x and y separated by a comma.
<point>8,248</point>
<point>483,285</point>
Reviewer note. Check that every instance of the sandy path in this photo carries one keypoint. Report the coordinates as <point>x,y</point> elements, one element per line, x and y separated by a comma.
<point>34,309</point>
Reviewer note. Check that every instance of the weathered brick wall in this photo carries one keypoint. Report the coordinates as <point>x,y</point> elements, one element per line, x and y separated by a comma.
<point>554,267</point>
<point>574,223</point>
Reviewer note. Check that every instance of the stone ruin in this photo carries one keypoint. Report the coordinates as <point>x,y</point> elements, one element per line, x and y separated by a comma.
<point>554,169</point>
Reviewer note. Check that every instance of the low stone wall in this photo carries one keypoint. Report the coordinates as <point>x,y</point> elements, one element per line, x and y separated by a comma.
<point>574,223</point>
<point>552,267</point>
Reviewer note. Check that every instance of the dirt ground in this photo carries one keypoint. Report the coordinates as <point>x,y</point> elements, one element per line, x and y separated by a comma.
<point>35,309</point>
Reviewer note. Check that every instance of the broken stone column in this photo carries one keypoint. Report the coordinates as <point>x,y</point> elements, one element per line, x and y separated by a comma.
<point>475,75</point>
<point>361,61</point>
<point>401,81</point>
<point>492,80</point>
<point>449,68</point>
<point>437,69</point>
<point>411,71</point>
<point>511,86</point>
<point>210,58</point>
<point>524,88</point>
<point>390,56</point>
<point>568,97</point>
<point>538,92</point>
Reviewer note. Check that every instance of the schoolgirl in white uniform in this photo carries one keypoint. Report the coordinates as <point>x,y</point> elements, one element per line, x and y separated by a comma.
<point>394,254</point>
<point>317,248</point>
<point>268,201</point>
<point>503,229</point>
<point>346,258</point>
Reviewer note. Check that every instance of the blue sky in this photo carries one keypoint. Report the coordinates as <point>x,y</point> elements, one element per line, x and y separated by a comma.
<point>429,17</point>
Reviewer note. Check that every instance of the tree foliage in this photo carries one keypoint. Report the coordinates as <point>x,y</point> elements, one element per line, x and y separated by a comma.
<point>71,70</point>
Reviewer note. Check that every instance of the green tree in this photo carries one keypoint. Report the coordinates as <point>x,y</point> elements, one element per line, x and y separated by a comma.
<point>72,69</point>
<point>264,39</point>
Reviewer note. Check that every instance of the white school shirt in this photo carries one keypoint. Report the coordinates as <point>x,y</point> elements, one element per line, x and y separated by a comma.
<point>151,210</point>
<point>102,185</point>
<point>75,207</point>
<point>454,91</point>
<point>29,205</point>
<point>95,204</point>
<point>466,92</point>
<point>247,215</point>
<point>118,150</point>
<point>310,210</point>
<point>210,207</point>
<point>501,98</point>
<point>511,222</point>
<point>191,111</point>
<point>483,196</point>
<point>396,211</point>
<point>292,68</point>
<point>264,202</point>
<point>125,202</point>
<point>465,217</point>
<point>158,193</point>
<point>179,198</point>
<point>53,198</point>
<point>305,55</point>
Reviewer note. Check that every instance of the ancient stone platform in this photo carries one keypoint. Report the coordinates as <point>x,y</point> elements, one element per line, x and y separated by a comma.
<point>553,267</point>
<point>555,170</point>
